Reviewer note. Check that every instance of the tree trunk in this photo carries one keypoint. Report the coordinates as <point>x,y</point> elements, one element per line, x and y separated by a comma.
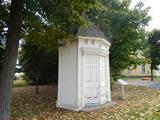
<point>37,90</point>
<point>152,77</point>
<point>8,66</point>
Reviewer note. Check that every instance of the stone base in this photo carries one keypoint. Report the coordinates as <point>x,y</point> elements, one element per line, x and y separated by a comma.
<point>97,107</point>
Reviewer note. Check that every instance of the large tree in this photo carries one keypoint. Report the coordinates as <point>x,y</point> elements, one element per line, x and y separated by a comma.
<point>3,17</point>
<point>1,51</point>
<point>9,62</point>
<point>154,51</point>
<point>125,28</point>
<point>40,64</point>
<point>53,13</point>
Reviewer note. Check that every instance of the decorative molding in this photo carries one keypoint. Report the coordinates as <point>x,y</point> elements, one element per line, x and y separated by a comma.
<point>93,41</point>
<point>102,52</point>
<point>86,41</point>
<point>95,38</point>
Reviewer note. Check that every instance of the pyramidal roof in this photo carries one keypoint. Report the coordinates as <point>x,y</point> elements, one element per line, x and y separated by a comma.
<point>91,31</point>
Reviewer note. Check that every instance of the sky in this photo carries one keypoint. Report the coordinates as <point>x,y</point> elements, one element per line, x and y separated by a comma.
<point>154,12</point>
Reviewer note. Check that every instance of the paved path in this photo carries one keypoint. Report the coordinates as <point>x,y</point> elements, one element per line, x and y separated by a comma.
<point>150,84</point>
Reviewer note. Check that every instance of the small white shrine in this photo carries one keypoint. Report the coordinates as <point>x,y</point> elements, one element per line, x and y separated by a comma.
<point>84,74</point>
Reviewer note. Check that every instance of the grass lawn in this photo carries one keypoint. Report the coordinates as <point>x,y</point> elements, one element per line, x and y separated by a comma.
<point>20,83</point>
<point>141,104</point>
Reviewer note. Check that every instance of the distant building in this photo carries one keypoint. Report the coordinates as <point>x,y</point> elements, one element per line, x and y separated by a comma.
<point>141,70</point>
<point>158,71</point>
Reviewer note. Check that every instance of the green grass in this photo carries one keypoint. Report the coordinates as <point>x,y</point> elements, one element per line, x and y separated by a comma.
<point>20,83</point>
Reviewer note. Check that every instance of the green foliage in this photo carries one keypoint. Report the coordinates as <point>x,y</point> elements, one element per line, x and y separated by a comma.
<point>40,63</point>
<point>46,25</point>
<point>154,51</point>
<point>64,16</point>
<point>125,28</point>
<point>20,83</point>
<point>3,19</point>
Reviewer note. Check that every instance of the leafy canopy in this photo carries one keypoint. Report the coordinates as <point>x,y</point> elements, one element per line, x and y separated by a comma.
<point>47,22</point>
<point>51,22</point>
<point>125,28</point>
<point>154,51</point>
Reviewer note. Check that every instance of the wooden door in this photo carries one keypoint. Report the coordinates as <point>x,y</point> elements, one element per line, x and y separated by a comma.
<point>103,90</point>
<point>91,82</point>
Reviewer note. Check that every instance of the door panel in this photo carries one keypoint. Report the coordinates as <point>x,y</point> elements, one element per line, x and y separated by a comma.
<point>88,73</point>
<point>94,74</point>
<point>103,90</point>
<point>92,79</point>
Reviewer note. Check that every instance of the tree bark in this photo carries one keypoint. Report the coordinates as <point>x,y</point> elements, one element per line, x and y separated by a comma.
<point>152,77</point>
<point>9,64</point>
<point>37,84</point>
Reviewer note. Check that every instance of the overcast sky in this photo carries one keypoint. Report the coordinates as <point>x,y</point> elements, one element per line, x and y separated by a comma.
<point>154,12</point>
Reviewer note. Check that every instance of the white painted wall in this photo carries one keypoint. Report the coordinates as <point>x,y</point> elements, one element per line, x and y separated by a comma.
<point>108,81</point>
<point>71,90</point>
<point>93,46</point>
<point>67,86</point>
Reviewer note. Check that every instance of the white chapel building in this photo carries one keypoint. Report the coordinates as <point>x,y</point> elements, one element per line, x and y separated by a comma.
<point>84,74</point>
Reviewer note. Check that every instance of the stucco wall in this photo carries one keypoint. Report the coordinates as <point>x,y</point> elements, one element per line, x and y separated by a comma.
<point>93,46</point>
<point>68,75</point>
<point>72,73</point>
<point>138,71</point>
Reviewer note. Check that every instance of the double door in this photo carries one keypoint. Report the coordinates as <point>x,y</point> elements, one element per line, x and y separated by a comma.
<point>94,79</point>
